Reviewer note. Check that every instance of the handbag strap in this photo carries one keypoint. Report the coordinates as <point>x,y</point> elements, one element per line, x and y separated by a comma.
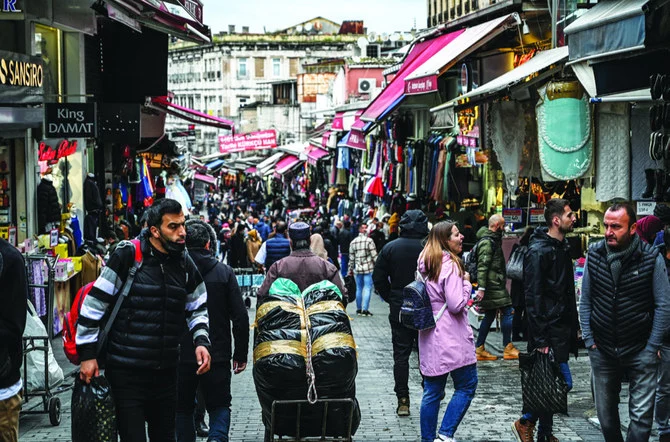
<point>441,312</point>
<point>419,277</point>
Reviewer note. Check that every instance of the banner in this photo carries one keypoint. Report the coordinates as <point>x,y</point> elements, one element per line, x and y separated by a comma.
<point>21,78</point>
<point>69,120</point>
<point>265,139</point>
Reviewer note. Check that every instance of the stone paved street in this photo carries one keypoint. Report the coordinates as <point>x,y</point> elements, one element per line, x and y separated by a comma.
<point>489,418</point>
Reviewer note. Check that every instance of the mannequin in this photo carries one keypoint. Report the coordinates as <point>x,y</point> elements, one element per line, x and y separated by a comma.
<point>48,207</point>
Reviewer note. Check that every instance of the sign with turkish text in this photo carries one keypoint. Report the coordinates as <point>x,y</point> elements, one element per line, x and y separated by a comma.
<point>645,208</point>
<point>53,154</point>
<point>265,139</point>
<point>512,215</point>
<point>536,216</point>
<point>21,78</point>
<point>421,85</point>
<point>69,120</point>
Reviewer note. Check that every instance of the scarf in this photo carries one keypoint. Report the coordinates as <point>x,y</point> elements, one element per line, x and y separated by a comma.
<point>616,259</point>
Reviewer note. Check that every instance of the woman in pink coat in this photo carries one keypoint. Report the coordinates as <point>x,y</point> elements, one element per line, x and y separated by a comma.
<point>449,348</point>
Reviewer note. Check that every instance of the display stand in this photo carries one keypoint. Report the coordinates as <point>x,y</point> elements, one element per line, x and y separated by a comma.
<point>48,286</point>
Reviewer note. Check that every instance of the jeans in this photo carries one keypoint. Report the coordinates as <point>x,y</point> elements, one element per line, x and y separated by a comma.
<point>547,420</point>
<point>608,372</point>
<point>363,290</point>
<point>144,396</point>
<point>465,384</point>
<point>403,340</point>
<point>216,387</point>
<point>663,392</point>
<point>507,314</point>
<point>344,261</point>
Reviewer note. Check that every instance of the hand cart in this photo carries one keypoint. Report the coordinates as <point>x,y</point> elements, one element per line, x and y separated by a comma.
<point>348,404</point>
<point>51,404</point>
<point>249,283</point>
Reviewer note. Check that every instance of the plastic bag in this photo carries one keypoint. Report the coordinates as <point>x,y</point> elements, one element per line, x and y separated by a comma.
<point>35,357</point>
<point>543,387</point>
<point>93,411</point>
<point>515,263</point>
<point>350,284</point>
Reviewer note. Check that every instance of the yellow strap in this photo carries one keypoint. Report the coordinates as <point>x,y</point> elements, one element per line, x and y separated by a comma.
<point>325,306</point>
<point>332,340</point>
<point>286,306</point>
<point>269,348</point>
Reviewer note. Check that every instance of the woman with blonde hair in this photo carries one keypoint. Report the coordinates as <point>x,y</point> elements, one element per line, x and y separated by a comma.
<point>318,247</point>
<point>449,347</point>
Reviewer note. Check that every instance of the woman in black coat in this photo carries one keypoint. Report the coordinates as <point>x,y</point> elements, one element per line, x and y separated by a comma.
<point>519,321</point>
<point>237,256</point>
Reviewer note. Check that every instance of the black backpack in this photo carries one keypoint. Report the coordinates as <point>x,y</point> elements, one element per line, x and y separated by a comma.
<point>471,259</point>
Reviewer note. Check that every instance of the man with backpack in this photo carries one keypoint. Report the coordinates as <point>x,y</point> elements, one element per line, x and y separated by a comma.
<point>492,293</point>
<point>225,306</point>
<point>142,349</point>
<point>394,269</point>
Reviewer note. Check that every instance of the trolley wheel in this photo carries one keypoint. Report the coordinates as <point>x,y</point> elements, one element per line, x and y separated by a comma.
<point>54,411</point>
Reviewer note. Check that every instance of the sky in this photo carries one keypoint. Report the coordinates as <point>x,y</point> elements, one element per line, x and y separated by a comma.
<point>378,15</point>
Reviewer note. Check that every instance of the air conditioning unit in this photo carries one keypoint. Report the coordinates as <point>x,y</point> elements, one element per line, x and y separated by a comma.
<point>366,85</point>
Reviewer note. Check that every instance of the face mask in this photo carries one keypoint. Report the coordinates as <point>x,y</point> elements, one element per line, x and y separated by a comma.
<point>173,248</point>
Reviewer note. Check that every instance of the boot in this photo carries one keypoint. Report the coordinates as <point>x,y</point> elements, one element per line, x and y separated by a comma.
<point>523,431</point>
<point>650,177</point>
<point>659,189</point>
<point>403,406</point>
<point>510,352</point>
<point>483,355</point>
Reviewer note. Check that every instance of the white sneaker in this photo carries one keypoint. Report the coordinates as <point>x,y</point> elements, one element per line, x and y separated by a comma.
<point>441,438</point>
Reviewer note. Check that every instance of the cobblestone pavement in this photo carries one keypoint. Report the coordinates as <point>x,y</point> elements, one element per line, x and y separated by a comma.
<point>496,405</point>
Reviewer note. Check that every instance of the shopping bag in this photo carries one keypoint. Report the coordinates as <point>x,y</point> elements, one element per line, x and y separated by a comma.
<point>93,411</point>
<point>34,355</point>
<point>514,268</point>
<point>543,386</point>
<point>350,285</point>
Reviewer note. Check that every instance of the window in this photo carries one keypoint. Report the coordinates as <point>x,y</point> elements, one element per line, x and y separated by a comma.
<point>242,68</point>
<point>259,67</point>
<point>276,67</point>
<point>293,67</point>
<point>372,51</point>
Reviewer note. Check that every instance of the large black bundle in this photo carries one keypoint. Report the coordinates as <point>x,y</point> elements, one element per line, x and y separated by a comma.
<point>93,411</point>
<point>284,319</point>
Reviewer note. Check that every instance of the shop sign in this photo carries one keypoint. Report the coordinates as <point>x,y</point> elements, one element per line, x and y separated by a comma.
<point>9,6</point>
<point>265,139</point>
<point>51,154</point>
<point>422,85</point>
<point>465,141</point>
<point>69,120</point>
<point>512,215</point>
<point>356,140</point>
<point>536,216</point>
<point>645,208</point>
<point>193,7</point>
<point>21,78</point>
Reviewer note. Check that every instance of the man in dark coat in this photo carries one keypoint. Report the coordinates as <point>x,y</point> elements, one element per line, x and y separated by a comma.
<point>302,266</point>
<point>394,269</point>
<point>549,289</point>
<point>225,307</point>
<point>12,322</point>
<point>344,238</point>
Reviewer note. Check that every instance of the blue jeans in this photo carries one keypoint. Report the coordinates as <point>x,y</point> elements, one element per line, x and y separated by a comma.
<point>608,373</point>
<point>219,425</point>
<point>465,384</point>
<point>663,392</point>
<point>547,420</point>
<point>344,264</point>
<point>507,314</point>
<point>363,290</point>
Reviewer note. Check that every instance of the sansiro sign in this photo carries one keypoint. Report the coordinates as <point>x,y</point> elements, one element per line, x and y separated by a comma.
<point>21,78</point>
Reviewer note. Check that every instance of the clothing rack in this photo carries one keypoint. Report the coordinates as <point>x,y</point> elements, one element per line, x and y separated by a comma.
<point>48,286</point>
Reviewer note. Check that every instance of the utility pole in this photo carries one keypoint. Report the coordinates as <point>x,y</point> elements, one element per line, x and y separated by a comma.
<point>554,20</point>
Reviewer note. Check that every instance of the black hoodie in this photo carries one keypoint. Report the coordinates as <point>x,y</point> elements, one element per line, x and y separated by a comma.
<point>224,305</point>
<point>12,314</point>
<point>396,263</point>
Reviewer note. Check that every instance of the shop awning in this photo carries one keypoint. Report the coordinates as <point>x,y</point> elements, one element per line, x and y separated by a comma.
<point>286,164</point>
<point>540,62</point>
<point>616,27</point>
<point>270,161</point>
<point>314,154</point>
<point>424,79</point>
<point>214,164</point>
<point>204,178</point>
<point>349,118</point>
<point>337,124</point>
<point>640,95</point>
<point>164,105</point>
<point>250,170</point>
<point>293,148</point>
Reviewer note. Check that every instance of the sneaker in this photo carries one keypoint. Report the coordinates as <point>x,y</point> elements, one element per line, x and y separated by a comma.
<point>510,352</point>
<point>483,355</point>
<point>358,312</point>
<point>523,432</point>
<point>441,438</point>
<point>545,438</point>
<point>403,406</point>
<point>367,313</point>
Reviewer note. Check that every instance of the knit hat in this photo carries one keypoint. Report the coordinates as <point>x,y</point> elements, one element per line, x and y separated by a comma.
<point>198,233</point>
<point>648,227</point>
<point>298,231</point>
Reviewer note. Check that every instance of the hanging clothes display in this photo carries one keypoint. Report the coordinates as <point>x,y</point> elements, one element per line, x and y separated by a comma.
<point>507,133</point>
<point>39,272</point>
<point>613,154</point>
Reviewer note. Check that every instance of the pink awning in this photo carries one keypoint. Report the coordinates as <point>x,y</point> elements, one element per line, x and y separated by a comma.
<point>356,139</point>
<point>324,139</point>
<point>205,178</point>
<point>250,170</point>
<point>194,116</point>
<point>314,154</point>
<point>338,123</point>
<point>286,164</point>
<point>393,93</point>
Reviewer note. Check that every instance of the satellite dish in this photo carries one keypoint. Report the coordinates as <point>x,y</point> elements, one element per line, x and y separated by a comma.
<point>407,36</point>
<point>372,37</point>
<point>362,42</point>
<point>308,27</point>
<point>298,28</point>
<point>385,37</point>
<point>395,37</point>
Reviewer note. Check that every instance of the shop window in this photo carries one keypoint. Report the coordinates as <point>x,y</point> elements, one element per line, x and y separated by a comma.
<point>276,67</point>
<point>242,68</point>
<point>48,43</point>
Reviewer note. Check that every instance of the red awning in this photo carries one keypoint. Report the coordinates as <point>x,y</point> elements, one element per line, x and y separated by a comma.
<point>324,139</point>
<point>250,170</point>
<point>314,154</point>
<point>338,123</point>
<point>164,105</point>
<point>205,178</point>
<point>286,164</point>
<point>393,93</point>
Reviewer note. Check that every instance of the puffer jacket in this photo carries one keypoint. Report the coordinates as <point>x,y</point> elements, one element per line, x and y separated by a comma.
<point>491,274</point>
<point>48,207</point>
<point>549,289</point>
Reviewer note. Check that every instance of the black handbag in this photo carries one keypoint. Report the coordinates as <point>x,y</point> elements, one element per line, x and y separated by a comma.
<point>350,285</point>
<point>514,268</point>
<point>543,386</point>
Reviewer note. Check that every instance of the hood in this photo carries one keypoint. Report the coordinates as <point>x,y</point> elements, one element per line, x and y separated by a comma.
<point>203,259</point>
<point>253,234</point>
<point>541,235</point>
<point>413,223</point>
<point>486,232</point>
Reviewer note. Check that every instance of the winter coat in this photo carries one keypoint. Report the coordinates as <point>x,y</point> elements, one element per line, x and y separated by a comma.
<point>263,230</point>
<point>491,274</point>
<point>92,199</point>
<point>450,344</point>
<point>13,298</point>
<point>253,246</point>
<point>48,207</point>
<point>549,289</point>
<point>276,248</point>
<point>344,238</point>
<point>304,268</point>
<point>225,306</point>
<point>237,256</point>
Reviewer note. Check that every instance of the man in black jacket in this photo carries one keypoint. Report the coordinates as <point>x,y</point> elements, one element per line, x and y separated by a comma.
<point>12,322</point>
<point>344,238</point>
<point>142,351</point>
<point>225,306</point>
<point>624,311</point>
<point>394,269</point>
<point>551,307</point>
